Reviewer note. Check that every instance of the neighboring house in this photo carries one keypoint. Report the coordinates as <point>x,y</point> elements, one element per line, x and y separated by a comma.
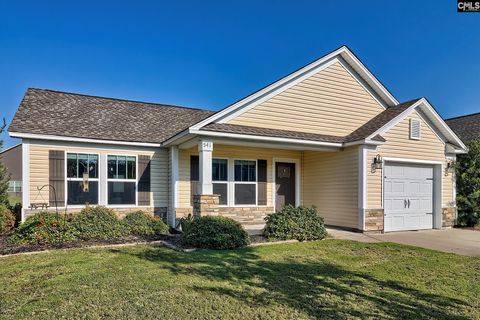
<point>467,127</point>
<point>329,134</point>
<point>12,159</point>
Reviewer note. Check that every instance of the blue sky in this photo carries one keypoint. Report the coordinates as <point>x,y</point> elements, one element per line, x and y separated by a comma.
<point>209,54</point>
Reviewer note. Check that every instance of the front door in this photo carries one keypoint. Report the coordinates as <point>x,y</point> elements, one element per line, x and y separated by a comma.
<point>284,184</point>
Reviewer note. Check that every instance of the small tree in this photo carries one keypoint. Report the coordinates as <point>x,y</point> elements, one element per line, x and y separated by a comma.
<point>4,175</point>
<point>468,185</point>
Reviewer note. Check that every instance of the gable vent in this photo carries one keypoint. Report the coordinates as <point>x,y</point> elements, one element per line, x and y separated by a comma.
<point>415,129</point>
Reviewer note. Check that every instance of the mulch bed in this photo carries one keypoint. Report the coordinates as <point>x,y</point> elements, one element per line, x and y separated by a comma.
<point>172,240</point>
<point>7,248</point>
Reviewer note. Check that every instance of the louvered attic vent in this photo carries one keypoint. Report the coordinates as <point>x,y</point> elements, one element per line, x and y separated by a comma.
<point>415,129</point>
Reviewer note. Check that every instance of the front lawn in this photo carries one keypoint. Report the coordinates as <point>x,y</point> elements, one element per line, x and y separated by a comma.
<point>324,279</point>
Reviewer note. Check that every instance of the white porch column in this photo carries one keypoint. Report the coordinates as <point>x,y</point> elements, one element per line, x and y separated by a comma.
<point>205,148</point>
<point>25,176</point>
<point>173,201</point>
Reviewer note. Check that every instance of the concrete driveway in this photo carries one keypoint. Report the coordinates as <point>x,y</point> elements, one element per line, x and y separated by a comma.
<point>464,242</point>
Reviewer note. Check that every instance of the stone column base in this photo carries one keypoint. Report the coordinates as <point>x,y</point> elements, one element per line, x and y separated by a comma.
<point>206,204</point>
<point>374,219</point>
<point>448,217</point>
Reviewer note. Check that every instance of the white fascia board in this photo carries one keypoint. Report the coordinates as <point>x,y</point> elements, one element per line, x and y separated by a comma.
<point>299,74</point>
<point>363,142</point>
<point>368,76</point>
<point>264,138</point>
<point>86,140</point>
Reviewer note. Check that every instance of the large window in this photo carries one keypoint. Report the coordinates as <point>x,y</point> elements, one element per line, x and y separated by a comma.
<point>122,180</point>
<point>245,182</point>
<point>78,165</point>
<point>220,179</point>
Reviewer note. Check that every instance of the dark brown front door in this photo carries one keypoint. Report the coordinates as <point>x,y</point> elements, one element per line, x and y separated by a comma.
<point>284,184</point>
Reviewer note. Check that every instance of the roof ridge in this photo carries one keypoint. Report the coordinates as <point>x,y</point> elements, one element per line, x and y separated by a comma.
<point>118,99</point>
<point>463,116</point>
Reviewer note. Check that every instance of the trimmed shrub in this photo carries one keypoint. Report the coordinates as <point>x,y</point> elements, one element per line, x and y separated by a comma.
<point>300,223</point>
<point>215,232</point>
<point>141,224</point>
<point>98,223</point>
<point>45,228</point>
<point>7,220</point>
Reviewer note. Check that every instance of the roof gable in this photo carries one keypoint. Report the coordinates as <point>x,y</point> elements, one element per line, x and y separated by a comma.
<point>331,101</point>
<point>342,54</point>
<point>430,117</point>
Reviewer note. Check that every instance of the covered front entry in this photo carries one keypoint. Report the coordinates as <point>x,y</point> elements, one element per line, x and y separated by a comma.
<point>408,196</point>
<point>284,184</point>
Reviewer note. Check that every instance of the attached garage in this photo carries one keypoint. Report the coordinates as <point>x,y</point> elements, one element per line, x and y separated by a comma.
<point>409,196</point>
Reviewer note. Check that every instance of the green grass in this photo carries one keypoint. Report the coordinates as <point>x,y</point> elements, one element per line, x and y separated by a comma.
<point>324,279</point>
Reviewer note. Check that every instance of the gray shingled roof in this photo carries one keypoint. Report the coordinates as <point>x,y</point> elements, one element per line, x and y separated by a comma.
<point>249,130</point>
<point>57,113</point>
<point>51,112</point>
<point>466,127</point>
<point>379,121</point>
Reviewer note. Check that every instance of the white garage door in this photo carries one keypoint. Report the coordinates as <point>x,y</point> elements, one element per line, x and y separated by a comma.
<point>408,197</point>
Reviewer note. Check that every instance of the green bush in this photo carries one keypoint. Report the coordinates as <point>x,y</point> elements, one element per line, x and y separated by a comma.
<point>185,222</point>
<point>7,220</point>
<point>468,185</point>
<point>45,228</point>
<point>141,224</point>
<point>215,232</point>
<point>98,223</point>
<point>298,223</point>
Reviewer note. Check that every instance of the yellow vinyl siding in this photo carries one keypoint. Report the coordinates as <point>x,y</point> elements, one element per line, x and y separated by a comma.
<point>330,182</point>
<point>330,102</point>
<point>230,152</point>
<point>399,145</point>
<point>39,173</point>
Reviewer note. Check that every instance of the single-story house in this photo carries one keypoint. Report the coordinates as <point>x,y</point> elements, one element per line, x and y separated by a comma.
<point>328,135</point>
<point>467,127</point>
<point>12,160</point>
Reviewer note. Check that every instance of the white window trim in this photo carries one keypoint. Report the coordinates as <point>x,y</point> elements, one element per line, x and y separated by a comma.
<point>121,180</point>
<point>233,182</point>
<point>16,184</point>
<point>227,182</point>
<point>76,206</point>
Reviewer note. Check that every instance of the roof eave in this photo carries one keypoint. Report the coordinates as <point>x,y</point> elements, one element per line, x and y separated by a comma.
<point>83,140</point>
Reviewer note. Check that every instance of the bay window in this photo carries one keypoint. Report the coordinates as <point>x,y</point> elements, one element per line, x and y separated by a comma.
<point>79,164</point>
<point>220,179</point>
<point>245,186</point>
<point>121,180</point>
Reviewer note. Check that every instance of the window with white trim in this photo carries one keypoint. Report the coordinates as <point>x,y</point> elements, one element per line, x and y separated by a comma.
<point>220,179</point>
<point>14,186</point>
<point>245,182</point>
<point>79,164</point>
<point>121,180</point>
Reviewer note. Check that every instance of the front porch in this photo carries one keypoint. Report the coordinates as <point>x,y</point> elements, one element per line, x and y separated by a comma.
<point>246,181</point>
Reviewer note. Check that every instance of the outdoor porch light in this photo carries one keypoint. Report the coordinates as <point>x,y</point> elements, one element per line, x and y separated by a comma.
<point>450,168</point>
<point>377,162</point>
